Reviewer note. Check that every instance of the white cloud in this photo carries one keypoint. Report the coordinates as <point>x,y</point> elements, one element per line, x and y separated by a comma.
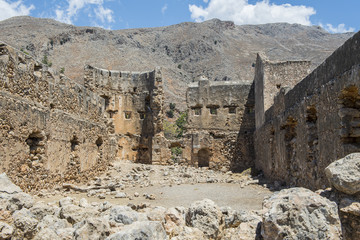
<point>164,8</point>
<point>104,14</point>
<point>339,29</point>
<point>71,12</point>
<point>10,9</point>
<point>241,12</point>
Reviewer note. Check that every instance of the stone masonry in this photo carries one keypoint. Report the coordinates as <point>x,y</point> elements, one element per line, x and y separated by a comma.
<point>51,128</point>
<point>217,111</point>
<point>134,106</point>
<point>314,123</point>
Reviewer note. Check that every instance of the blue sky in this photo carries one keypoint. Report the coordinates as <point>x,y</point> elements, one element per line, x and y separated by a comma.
<point>333,15</point>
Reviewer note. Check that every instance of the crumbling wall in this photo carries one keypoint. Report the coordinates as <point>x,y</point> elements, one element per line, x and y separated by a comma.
<point>270,77</point>
<point>313,124</point>
<point>217,111</point>
<point>134,107</point>
<point>51,129</point>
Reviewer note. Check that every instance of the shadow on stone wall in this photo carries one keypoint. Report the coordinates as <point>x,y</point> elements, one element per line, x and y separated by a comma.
<point>244,152</point>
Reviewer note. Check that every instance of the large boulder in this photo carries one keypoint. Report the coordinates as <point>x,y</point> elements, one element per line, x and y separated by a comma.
<point>206,216</point>
<point>299,213</point>
<point>344,174</point>
<point>144,230</point>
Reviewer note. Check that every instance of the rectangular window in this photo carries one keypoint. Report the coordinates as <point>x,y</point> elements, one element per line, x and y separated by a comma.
<point>142,115</point>
<point>232,110</point>
<point>197,111</point>
<point>213,111</point>
<point>127,115</point>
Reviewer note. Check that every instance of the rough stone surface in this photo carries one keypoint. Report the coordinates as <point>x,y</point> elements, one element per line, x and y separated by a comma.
<point>296,141</point>
<point>349,211</point>
<point>6,186</point>
<point>92,228</point>
<point>145,230</point>
<point>50,105</point>
<point>206,216</point>
<point>299,213</point>
<point>6,230</point>
<point>125,215</point>
<point>344,174</point>
<point>216,113</point>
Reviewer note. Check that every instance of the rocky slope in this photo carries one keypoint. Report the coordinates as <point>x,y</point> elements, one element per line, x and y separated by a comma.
<point>220,50</point>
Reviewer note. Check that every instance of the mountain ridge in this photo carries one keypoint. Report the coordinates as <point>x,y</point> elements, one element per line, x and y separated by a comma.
<point>220,50</point>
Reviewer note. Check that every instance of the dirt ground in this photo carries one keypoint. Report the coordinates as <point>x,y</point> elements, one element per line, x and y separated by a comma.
<point>235,195</point>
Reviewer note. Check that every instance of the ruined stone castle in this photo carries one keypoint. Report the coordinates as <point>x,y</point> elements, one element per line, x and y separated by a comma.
<point>287,122</point>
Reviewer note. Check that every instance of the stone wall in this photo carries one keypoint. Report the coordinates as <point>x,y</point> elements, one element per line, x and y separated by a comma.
<point>314,123</point>
<point>217,110</point>
<point>51,128</point>
<point>270,77</point>
<point>134,106</point>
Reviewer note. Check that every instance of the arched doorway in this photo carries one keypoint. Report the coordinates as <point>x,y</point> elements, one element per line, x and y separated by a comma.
<point>203,157</point>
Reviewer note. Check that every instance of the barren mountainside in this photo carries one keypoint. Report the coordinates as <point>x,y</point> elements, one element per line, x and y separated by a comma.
<point>217,49</point>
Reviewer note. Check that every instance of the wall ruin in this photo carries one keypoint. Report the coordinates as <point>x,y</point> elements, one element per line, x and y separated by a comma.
<point>134,106</point>
<point>217,110</point>
<point>51,128</point>
<point>314,123</point>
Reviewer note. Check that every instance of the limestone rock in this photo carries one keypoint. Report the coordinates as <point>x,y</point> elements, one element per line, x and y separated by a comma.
<point>6,186</point>
<point>155,214</point>
<point>20,200</point>
<point>173,219</point>
<point>53,223</point>
<point>6,231</point>
<point>65,233</point>
<point>300,214</point>
<point>350,218</point>
<point>74,214</point>
<point>344,174</point>
<point>66,201</point>
<point>46,234</point>
<point>40,210</point>
<point>92,228</point>
<point>144,230</point>
<point>25,223</point>
<point>206,216</point>
<point>125,215</point>
<point>188,233</point>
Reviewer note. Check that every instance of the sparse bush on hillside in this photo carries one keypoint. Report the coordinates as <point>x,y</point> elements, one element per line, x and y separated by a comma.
<point>46,61</point>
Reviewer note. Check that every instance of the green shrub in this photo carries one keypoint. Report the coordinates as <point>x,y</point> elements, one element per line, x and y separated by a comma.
<point>176,151</point>
<point>170,114</point>
<point>181,123</point>
<point>172,106</point>
<point>46,61</point>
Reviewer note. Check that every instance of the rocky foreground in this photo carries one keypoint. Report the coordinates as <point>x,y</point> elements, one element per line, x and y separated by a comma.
<point>294,213</point>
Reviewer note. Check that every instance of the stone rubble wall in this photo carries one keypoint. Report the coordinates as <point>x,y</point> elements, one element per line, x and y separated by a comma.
<point>223,138</point>
<point>314,123</point>
<point>51,129</point>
